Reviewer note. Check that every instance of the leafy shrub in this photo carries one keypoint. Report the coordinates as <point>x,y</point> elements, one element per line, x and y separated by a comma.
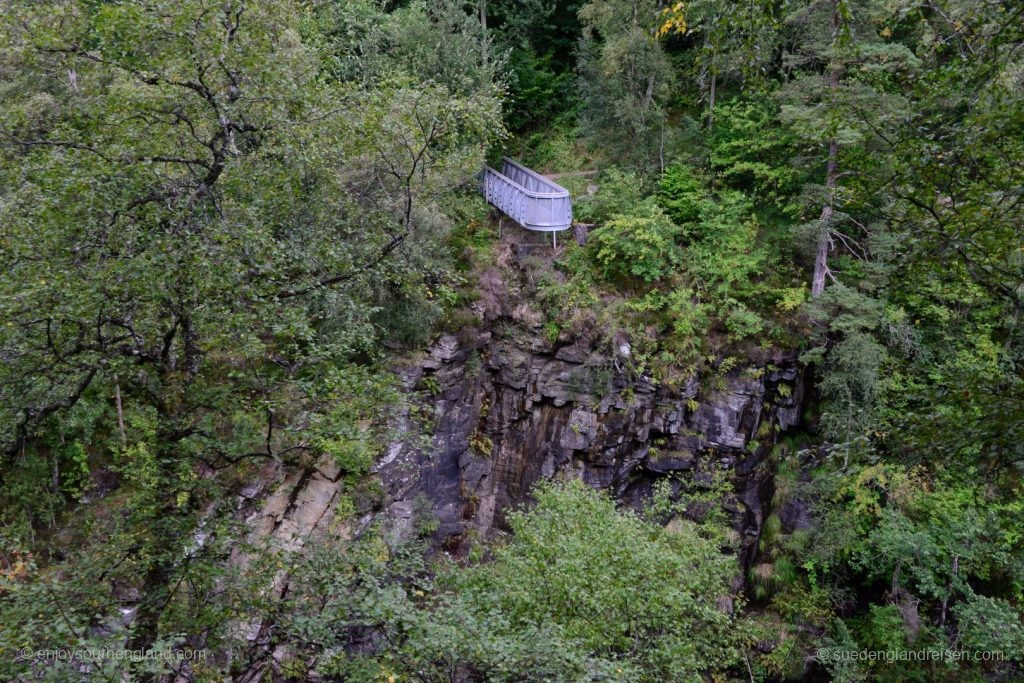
<point>636,247</point>
<point>991,625</point>
<point>726,256</point>
<point>882,628</point>
<point>742,322</point>
<point>682,319</point>
<point>852,386</point>
<point>555,147</point>
<point>618,192</point>
<point>688,316</point>
<point>407,321</point>
<point>349,429</point>
<point>622,588</point>
<point>582,591</point>
<point>750,153</point>
<point>681,194</point>
<point>536,91</point>
<point>791,298</point>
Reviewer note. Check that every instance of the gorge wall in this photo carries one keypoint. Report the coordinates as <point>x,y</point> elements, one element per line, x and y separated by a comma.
<point>499,405</point>
<point>509,407</point>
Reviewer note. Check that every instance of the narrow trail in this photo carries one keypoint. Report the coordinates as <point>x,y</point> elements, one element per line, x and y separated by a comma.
<point>585,174</point>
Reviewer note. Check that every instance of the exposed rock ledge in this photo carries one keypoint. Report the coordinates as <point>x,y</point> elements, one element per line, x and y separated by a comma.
<point>510,408</point>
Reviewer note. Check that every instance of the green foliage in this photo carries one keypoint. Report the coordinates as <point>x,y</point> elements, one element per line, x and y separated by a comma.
<point>741,323</point>
<point>625,77</point>
<point>361,44</point>
<point>683,317</point>
<point>230,214</point>
<point>29,498</point>
<point>933,538</point>
<point>851,387</point>
<point>635,247</point>
<point>556,147</point>
<point>724,254</point>
<point>750,153</point>
<point>622,588</point>
<point>426,631</point>
<point>350,429</point>
<point>562,600</point>
<point>882,629</point>
<point>991,625</point>
<point>681,194</point>
<point>41,479</point>
<point>591,379</point>
<point>537,92</point>
<point>618,192</point>
<point>425,521</point>
<point>75,470</point>
<point>195,206</point>
<point>709,270</point>
<point>698,497</point>
<point>539,37</point>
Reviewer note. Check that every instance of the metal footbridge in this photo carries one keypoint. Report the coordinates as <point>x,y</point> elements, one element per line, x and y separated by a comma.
<point>528,198</point>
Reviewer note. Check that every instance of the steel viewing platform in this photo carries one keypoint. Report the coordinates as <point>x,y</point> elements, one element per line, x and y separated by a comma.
<point>528,198</point>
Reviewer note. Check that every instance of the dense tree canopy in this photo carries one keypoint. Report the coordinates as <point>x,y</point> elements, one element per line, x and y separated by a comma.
<point>221,221</point>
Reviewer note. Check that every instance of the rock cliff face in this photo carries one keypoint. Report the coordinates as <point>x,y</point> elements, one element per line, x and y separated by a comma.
<point>499,406</point>
<point>508,408</point>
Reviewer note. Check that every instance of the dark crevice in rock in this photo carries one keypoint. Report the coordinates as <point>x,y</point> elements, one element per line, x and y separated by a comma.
<point>543,410</point>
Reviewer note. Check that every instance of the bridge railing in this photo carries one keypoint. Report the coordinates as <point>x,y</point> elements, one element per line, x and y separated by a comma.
<point>527,197</point>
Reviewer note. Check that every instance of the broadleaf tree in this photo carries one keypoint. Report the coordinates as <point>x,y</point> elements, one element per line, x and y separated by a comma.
<point>198,214</point>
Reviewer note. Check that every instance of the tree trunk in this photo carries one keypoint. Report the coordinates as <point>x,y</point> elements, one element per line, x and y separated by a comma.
<point>146,626</point>
<point>661,148</point>
<point>483,25</point>
<point>159,549</point>
<point>949,589</point>
<point>648,94</point>
<point>831,174</point>
<point>579,231</point>
<point>711,101</point>
<point>120,414</point>
<point>824,232</point>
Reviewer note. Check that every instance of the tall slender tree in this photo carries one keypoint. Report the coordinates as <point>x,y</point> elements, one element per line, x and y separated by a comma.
<point>839,95</point>
<point>737,41</point>
<point>625,74</point>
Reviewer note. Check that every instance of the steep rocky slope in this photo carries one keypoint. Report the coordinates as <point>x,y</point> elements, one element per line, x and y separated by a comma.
<point>510,407</point>
<point>498,406</point>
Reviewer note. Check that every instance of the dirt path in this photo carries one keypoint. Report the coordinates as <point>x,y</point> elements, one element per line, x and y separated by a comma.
<point>556,176</point>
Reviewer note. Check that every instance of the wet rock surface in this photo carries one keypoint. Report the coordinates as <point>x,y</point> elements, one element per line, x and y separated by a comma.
<point>510,408</point>
<point>497,407</point>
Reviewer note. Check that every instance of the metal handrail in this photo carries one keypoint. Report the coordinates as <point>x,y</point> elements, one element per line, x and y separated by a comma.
<point>535,208</point>
<point>526,191</point>
<point>557,190</point>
